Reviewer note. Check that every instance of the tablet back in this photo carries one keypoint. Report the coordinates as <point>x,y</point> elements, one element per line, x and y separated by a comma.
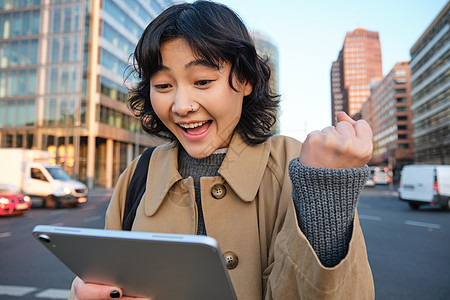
<point>155,265</point>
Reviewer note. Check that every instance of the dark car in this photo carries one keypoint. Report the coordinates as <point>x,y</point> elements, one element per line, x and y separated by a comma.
<point>12,202</point>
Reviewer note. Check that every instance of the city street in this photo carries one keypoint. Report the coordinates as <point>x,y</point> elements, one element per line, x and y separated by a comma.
<point>409,251</point>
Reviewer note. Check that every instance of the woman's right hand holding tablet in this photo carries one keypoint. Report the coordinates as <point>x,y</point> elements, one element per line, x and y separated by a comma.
<point>91,291</point>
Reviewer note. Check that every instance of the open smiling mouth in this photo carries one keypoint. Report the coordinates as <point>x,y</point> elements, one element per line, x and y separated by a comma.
<point>195,128</point>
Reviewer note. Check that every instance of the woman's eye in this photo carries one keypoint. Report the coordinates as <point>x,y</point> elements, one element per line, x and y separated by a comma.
<point>203,83</point>
<point>162,86</point>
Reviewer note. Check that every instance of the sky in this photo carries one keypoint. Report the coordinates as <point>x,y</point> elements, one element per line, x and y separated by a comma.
<point>309,35</point>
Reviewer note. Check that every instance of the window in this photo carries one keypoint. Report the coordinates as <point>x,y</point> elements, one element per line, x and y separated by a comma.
<point>6,26</point>
<point>66,19</point>
<point>37,174</point>
<point>26,18</point>
<point>16,22</point>
<point>56,20</point>
<point>35,22</point>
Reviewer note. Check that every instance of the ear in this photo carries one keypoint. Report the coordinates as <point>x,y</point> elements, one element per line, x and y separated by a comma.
<point>248,88</point>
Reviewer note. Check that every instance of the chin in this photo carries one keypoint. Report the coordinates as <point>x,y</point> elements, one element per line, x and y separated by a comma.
<point>199,151</point>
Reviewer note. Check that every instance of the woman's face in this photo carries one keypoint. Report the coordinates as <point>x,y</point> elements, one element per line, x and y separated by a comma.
<point>194,99</point>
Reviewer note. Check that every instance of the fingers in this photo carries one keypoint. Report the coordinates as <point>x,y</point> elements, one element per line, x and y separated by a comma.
<point>363,129</point>
<point>95,291</point>
<point>345,129</point>
<point>342,116</point>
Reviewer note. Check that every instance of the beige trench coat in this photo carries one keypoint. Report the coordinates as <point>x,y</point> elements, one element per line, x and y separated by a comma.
<point>255,219</point>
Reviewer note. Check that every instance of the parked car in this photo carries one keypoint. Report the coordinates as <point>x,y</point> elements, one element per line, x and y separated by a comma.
<point>380,174</point>
<point>425,184</point>
<point>12,202</point>
<point>370,181</point>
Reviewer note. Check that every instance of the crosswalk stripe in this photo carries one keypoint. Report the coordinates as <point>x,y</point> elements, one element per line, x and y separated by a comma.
<point>13,290</point>
<point>422,224</point>
<point>54,294</point>
<point>21,291</point>
<point>5,234</point>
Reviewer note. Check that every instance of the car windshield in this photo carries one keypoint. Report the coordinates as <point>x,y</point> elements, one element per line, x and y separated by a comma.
<point>58,173</point>
<point>8,188</point>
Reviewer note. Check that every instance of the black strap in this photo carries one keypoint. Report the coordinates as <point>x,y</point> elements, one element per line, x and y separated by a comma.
<point>136,189</point>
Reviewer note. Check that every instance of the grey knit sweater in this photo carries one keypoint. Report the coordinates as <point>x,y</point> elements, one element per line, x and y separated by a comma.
<point>324,200</point>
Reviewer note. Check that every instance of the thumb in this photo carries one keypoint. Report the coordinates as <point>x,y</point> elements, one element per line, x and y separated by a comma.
<point>342,116</point>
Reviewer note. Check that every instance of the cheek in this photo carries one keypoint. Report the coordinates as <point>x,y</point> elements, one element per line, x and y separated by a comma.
<point>160,106</point>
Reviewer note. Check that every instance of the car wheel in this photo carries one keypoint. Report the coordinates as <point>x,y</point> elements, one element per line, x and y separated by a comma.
<point>49,202</point>
<point>447,205</point>
<point>414,205</point>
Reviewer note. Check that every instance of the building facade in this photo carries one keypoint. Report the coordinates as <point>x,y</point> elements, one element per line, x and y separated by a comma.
<point>62,70</point>
<point>430,78</point>
<point>339,95</point>
<point>360,63</point>
<point>389,113</point>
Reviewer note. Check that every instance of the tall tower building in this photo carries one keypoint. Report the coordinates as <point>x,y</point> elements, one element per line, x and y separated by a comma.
<point>339,95</point>
<point>360,58</point>
<point>430,79</point>
<point>62,69</point>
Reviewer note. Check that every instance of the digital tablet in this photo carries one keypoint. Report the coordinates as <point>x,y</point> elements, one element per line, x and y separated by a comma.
<point>156,265</point>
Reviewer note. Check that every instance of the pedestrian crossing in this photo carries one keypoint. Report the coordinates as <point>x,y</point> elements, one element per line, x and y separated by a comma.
<point>28,292</point>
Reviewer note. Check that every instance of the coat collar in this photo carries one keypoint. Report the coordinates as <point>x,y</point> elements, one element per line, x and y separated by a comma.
<point>239,161</point>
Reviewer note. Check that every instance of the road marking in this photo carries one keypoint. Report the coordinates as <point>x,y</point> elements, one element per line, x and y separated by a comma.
<point>372,218</point>
<point>93,218</point>
<point>54,294</point>
<point>422,224</point>
<point>5,234</point>
<point>13,290</point>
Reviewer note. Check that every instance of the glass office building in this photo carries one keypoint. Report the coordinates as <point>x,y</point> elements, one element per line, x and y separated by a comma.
<point>62,69</point>
<point>430,79</point>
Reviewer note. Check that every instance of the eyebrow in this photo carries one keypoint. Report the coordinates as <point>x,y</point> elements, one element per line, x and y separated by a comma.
<point>201,62</point>
<point>197,62</point>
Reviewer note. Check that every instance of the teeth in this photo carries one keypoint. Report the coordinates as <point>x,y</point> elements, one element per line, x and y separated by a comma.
<point>192,125</point>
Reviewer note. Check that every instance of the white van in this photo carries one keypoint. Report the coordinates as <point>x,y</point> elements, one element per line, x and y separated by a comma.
<point>32,173</point>
<point>425,184</point>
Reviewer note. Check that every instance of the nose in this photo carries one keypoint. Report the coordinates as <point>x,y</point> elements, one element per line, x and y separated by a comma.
<point>182,103</point>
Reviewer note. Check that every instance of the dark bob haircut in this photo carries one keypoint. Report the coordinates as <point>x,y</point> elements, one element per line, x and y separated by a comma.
<point>215,33</point>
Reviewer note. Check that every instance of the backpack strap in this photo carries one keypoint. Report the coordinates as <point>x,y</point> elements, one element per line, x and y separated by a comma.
<point>136,189</point>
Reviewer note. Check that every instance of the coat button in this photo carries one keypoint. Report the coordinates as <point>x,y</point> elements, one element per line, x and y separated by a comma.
<point>231,260</point>
<point>218,191</point>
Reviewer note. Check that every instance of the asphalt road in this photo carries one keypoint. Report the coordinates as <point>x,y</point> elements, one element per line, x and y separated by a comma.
<point>409,251</point>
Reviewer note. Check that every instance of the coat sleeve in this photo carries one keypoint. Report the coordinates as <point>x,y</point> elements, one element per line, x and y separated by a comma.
<point>298,274</point>
<point>293,270</point>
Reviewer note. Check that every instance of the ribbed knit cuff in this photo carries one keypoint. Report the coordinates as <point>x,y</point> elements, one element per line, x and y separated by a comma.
<point>325,202</point>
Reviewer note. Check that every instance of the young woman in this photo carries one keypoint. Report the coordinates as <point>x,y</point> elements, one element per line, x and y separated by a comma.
<point>283,209</point>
